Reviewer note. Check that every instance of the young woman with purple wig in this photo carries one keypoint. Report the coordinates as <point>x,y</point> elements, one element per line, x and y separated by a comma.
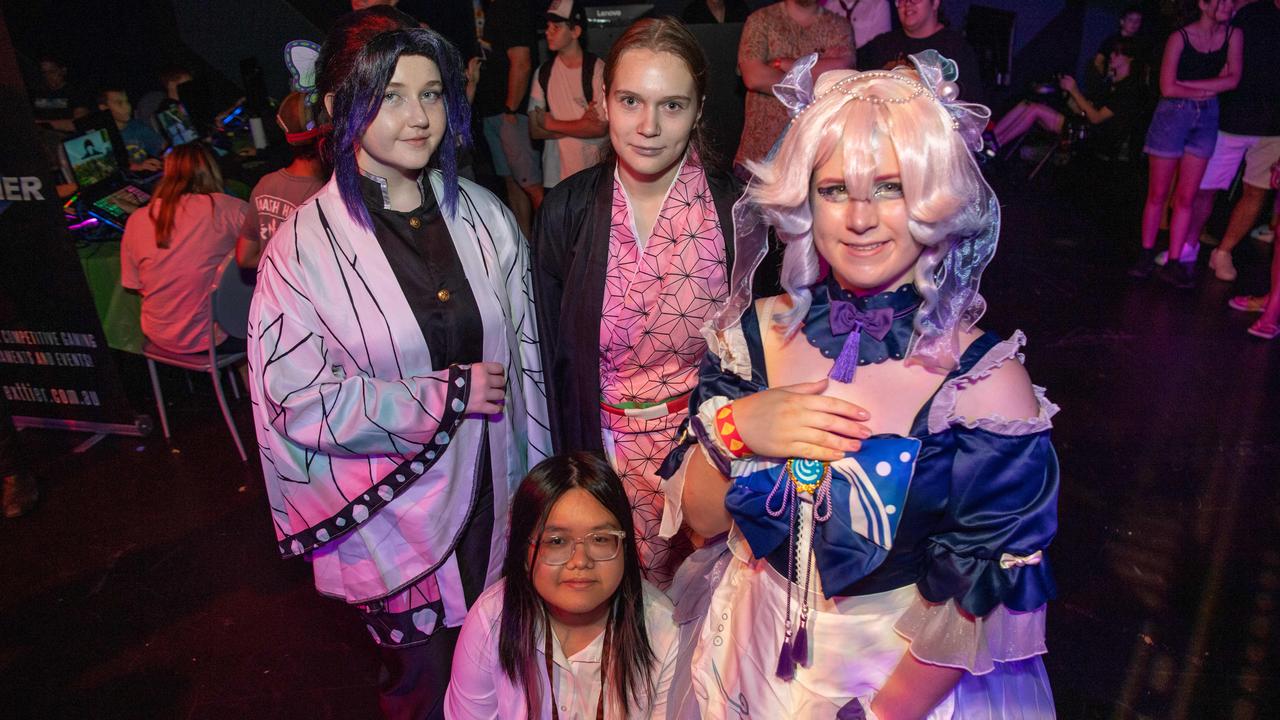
<point>396,379</point>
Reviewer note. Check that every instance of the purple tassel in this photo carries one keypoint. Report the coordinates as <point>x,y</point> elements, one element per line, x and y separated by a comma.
<point>786,663</point>
<point>800,647</point>
<point>847,364</point>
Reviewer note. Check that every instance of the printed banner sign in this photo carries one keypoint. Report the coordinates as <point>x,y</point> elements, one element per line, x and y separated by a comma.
<point>54,359</point>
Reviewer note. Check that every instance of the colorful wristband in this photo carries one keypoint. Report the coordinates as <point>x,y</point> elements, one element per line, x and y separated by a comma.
<point>727,432</point>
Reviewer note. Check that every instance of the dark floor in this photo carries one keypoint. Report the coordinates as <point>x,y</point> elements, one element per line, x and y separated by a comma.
<point>146,584</point>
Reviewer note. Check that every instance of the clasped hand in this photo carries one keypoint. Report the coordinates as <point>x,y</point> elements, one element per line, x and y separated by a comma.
<point>797,421</point>
<point>488,388</point>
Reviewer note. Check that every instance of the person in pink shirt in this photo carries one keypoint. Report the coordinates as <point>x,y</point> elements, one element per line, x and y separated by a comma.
<point>172,249</point>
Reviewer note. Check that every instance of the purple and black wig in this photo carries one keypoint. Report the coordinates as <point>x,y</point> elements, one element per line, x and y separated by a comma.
<point>359,98</point>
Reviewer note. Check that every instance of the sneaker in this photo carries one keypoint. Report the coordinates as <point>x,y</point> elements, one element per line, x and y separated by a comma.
<point>1248,303</point>
<point>1178,275</point>
<point>1263,233</point>
<point>990,146</point>
<point>1264,330</point>
<point>1145,265</point>
<point>1190,252</point>
<point>1223,268</point>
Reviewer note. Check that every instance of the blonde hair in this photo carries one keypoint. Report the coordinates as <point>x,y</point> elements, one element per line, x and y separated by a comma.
<point>948,200</point>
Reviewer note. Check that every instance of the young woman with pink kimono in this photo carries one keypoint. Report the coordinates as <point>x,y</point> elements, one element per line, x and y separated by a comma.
<point>632,257</point>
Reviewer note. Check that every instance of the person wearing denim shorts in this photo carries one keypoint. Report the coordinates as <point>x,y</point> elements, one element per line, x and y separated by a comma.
<point>1200,60</point>
<point>501,97</point>
<point>1249,132</point>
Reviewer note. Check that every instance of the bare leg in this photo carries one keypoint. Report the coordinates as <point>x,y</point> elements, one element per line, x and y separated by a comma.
<point>535,193</point>
<point>1271,313</point>
<point>1021,119</point>
<point>1242,216</point>
<point>1011,125</point>
<point>1162,170</point>
<point>1201,209</point>
<point>520,206</point>
<point>1049,118</point>
<point>1190,171</point>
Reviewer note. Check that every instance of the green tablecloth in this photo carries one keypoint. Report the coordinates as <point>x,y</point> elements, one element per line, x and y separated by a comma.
<point>120,310</point>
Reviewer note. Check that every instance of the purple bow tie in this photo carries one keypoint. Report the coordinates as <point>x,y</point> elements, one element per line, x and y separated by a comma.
<point>845,317</point>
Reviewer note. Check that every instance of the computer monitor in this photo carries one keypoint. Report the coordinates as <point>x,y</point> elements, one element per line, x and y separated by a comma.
<point>615,15</point>
<point>92,157</point>
<point>175,125</point>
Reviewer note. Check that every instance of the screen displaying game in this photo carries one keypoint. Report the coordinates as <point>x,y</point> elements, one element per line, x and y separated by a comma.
<point>176,126</point>
<point>91,157</point>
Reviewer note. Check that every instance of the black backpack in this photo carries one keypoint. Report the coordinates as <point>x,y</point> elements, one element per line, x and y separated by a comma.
<point>588,73</point>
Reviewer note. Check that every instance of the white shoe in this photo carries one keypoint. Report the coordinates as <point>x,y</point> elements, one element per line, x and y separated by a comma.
<point>1190,252</point>
<point>1263,233</point>
<point>1223,268</point>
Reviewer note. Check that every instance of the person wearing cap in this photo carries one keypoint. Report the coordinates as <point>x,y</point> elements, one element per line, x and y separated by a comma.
<point>278,194</point>
<point>565,98</point>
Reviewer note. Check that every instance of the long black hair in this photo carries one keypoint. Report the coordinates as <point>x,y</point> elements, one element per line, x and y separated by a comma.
<point>629,664</point>
<point>359,98</point>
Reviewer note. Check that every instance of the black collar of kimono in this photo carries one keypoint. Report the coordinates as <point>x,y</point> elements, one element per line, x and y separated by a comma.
<point>902,302</point>
<point>373,189</point>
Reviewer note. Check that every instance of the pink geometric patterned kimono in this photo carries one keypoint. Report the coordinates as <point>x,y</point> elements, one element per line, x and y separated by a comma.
<point>658,293</point>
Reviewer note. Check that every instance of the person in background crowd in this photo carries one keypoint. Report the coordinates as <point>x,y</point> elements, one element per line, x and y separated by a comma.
<point>571,630</point>
<point>1248,131</point>
<point>710,12</point>
<point>868,18</point>
<point>395,374</point>
<point>922,29</point>
<point>55,101</point>
<point>633,256</point>
<point>454,19</point>
<point>501,99</point>
<point>1201,60</point>
<point>154,101</point>
<point>773,39</point>
<point>1267,326</point>
<point>1112,111</point>
<point>888,497</point>
<point>1130,27</point>
<point>566,98</point>
<point>143,144</point>
<point>171,251</point>
<point>279,193</point>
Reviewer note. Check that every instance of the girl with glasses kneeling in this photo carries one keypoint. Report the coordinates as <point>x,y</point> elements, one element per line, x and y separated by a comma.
<point>571,567</point>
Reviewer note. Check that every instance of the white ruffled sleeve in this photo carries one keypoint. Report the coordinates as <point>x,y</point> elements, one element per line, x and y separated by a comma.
<point>943,634</point>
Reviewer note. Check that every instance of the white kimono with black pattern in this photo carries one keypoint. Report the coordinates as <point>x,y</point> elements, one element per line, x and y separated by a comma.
<point>370,462</point>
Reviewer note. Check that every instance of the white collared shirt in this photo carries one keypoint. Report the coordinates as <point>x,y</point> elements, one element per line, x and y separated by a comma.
<point>479,689</point>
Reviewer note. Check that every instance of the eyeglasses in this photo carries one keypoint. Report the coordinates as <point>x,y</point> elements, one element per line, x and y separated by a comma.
<point>602,545</point>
